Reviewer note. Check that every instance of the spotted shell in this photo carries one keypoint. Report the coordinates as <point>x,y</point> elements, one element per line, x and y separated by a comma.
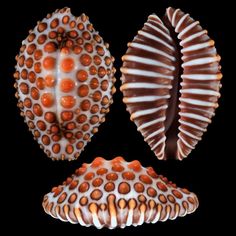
<point>64,79</point>
<point>171,113</point>
<point>117,193</point>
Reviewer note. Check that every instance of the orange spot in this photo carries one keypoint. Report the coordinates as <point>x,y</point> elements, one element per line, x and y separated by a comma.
<point>151,192</point>
<point>69,149</point>
<point>82,75</point>
<point>68,101</point>
<point>56,148</point>
<point>88,47</point>
<point>77,49</point>
<point>38,54</point>
<point>47,99</point>
<point>83,90</point>
<point>97,182</point>
<point>50,80</point>
<point>117,167</point>
<point>85,105</point>
<point>101,72</point>
<point>124,188</point>
<point>145,179</point>
<point>161,186</point>
<point>117,160</point>
<point>94,83</point>
<point>34,93</point>
<point>92,70</point>
<point>97,162</point>
<point>109,187</point>
<point>49,63</point>
<point>128,175</point>
<point>102,171</point>
<point>112,176</point>
<point>66,115</point>
<point>85,60</point>
<point>57,191</point>
<point>37,67</point>
<point>139,188</point>
<point>177,194</point>
<point>81,118</point>
<point>37,110</point>
<point>67,85</point>
<point>40,83</point>
<point>89,176</point>
<point>67,64</point>
<point>97,60</point>
<point>151,172</point>
<point>96,194</point>
<point>73,184</point>
<point>50,47</point>
<point>62,198</point>
<point>80,171</point>
<point>84,187</point>
<point>135,165</point>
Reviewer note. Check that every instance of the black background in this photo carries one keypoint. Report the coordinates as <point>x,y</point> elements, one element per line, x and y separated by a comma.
<point>28,174</point>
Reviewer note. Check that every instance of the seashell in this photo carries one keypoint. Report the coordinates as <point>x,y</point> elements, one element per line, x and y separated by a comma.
<point>117,193</point>
<point>64,79</point>
<point>171,106</point>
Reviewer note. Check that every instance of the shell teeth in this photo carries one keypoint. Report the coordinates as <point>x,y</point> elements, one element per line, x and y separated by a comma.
<point>65,82</point>
<point>89,196</point>
<point>149,74</point>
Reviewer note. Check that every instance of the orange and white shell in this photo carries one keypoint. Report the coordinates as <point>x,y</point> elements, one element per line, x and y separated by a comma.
<point>64,80</point>
<point>117,193</point>
<point>171,106</point>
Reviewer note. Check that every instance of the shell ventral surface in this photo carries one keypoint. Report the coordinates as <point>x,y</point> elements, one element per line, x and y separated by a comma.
<point>64,79</point>
<point>171,81</point>
<point>117,193</point>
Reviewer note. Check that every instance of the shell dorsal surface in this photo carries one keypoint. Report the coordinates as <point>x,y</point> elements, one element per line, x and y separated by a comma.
<point>64,80</point>
<point>170,93</point>
<point>117,193</point>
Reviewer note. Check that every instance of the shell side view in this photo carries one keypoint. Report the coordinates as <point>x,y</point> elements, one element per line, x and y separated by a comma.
<point>171,113</point>
<point>117,193</point>
<point>64,79</point>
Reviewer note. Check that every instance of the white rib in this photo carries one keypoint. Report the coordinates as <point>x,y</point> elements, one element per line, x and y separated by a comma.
<point>58,215</point>
<point>145,73</point>
<point>189,27</point>
<point>141,218</point>
<point>151,49</point>
<point>198,102</point>
<point>147,61</point>
<point>200,92</point>
<point>180,22</point>
<point>161,24</point>
<point>135,85</point>
<point>198,109</point>
<point>193,36</point>
<point>191,125</point>
<point>167,215</point>
<point>200,61</point>
<point>129,220</point>
<point>155,16</point>
<point>146,124</point>
<point>196,47</point>
<point>180,150</point>
<point>80,220</point>
<point>159,31</point>
<point>69,219</point>
<point>162,140</point>
<point>154,133</point>
<point>144,99</point>
<point>173,17</point>
<point>147,112</point>
<point>113,221</point>
<point>150,36</point>
<point>189,134</point>
<point>201,76</point>
<point>157,217</point>
<point>96,221</point>
<point>194,116</point>
<point>185,142</point>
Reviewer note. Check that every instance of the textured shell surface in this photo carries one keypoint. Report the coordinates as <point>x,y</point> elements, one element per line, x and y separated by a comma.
<point>64,79</point>
<point>117,193</point>
<point>170,82</point>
